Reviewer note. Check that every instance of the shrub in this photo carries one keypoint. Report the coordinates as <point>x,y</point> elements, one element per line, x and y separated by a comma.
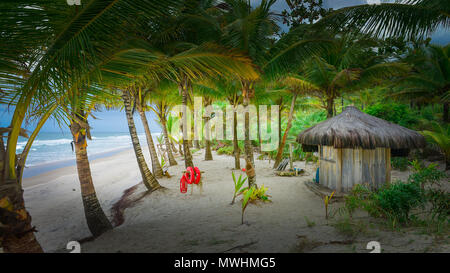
<point>394,112</point>
<point>400,163</point>
<point>227,150</point>
<point>425,175</point>
<point>397,200</point>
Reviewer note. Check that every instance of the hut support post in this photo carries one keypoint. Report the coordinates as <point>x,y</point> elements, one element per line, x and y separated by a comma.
<point>339,170</point>
<point>388,166</point>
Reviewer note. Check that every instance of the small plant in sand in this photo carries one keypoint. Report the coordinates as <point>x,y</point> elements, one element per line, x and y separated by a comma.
<point>237,185</point>
<point>245,202</point>
<point>258,194</point>
<point>327,200</point>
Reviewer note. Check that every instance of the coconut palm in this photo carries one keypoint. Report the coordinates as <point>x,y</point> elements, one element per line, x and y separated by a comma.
<point>77,107</point>
<point>250,30</point>
<point>430,80</point>
<point>162,100</point>
<point>46,47</point>
<point>210,91</point>
<point>195,55</point>
<point>140,98</point>
<point>295,86</point>
<point>440,136</point>
<point>347,66</point>
<point>407,18</point>
<point>148,178</point>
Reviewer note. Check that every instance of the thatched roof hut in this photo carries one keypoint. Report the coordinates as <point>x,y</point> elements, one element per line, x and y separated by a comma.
<point>355,148</point>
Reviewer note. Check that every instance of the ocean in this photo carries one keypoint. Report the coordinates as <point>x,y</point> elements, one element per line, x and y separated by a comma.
<point>53,150</point>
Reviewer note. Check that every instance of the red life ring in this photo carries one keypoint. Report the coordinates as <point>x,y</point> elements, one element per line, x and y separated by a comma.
<point>183,185</point>
<point>189,175</point>
<point>198,175</point>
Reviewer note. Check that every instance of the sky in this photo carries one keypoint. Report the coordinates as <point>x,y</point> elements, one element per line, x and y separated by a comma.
<point>115,121</point>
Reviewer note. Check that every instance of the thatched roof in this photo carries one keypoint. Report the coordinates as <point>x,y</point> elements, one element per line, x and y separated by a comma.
<point>353,129</point>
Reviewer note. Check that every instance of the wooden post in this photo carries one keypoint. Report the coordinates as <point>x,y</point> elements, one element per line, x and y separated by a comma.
<point>291,163</point>
<point>388,166</point>
<point>339,170</point>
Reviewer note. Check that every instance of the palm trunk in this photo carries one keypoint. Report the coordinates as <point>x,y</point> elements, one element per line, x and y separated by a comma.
<point>96,219</point>
<point>180,148</point>
<point>208,154</point>
<point>330,102</point>
<point>288,127</point>
<point>16,232</point>
<point>156,166</point>
<point>258,128</point>
<point>249,162</point>
<point>147,177</point>
<point>172,160</point>
<point>196,144</point>
<point>186,151</point>
<point>237,151</point>
<point>174,148</point>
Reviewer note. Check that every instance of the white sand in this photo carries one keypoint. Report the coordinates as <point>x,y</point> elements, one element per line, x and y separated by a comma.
<point>168,221</point>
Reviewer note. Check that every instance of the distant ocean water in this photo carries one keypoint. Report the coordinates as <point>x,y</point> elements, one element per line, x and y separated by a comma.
<point>53,150</point>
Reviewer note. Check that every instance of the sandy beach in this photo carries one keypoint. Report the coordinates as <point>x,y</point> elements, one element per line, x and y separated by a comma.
<point>168,221</point>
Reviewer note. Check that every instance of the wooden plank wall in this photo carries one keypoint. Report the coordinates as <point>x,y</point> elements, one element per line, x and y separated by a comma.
<point>341,169</point>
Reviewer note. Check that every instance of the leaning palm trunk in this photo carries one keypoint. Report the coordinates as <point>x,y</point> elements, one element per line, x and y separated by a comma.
<point>174,149</point>
<point>147,177</point>
<point>156,166</point>
<point>16,232</point>
<point>169,145</point>
<point>237,151</point>
<point>186,151</point>
<point>288,127</point>
<point>96,219</point>
<point>249,162</point>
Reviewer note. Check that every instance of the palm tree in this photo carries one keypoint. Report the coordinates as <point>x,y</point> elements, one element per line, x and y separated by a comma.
<point>46,46</point>
<point>407,18</point>
<point>210,91</point>
<point>77,107</point>
<point>430,80</point>
<point>295,86</point>
<point>148,179</point>
<point>250,30</point>
<point>162,100</point>
<point>140,104</point>
<point>348,65</point>
<point>195,54</point>
<point>440,135</point>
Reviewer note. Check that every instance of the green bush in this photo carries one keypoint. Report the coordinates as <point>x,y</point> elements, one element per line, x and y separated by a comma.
<point>227,150</point>
<point>399,199</point>
<point>396,113</point>
<point>425,175</point>
<point>400,163</point>
<point>396,201</point>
